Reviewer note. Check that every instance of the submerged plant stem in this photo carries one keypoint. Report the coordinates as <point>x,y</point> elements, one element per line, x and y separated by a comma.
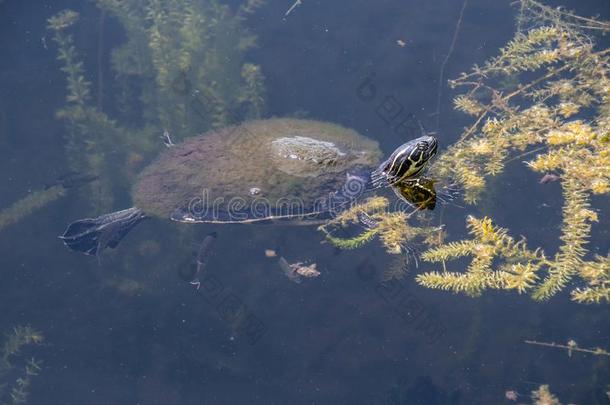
<point>27,205</point>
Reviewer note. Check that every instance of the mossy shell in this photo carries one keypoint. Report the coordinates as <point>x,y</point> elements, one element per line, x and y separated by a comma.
<point>255,171</point>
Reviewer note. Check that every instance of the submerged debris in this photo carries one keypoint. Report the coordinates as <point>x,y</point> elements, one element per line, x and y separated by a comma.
<point>571,346</point>
<point>511,395</point>
<point>548,178</point>
<point>205,249</point>
<point>167,139</point>
<point>204,252</point>
<point>306,271</point>
<point>297,271</point>
<point>293,7</point>
<point>270,253</point>
<point>289,271</point>
<point>191,271</point>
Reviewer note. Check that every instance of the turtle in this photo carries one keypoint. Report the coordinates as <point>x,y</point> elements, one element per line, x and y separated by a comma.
<point>260,171</point>
<point>403,171</point>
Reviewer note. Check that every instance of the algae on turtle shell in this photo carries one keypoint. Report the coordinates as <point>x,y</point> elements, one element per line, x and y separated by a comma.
<point>227,163</point>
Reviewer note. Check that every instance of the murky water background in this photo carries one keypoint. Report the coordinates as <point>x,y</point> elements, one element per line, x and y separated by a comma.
<point>130,330</point>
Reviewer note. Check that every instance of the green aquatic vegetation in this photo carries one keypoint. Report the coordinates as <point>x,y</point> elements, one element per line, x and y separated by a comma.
<point>500,262</point>
<point>571,346</point>
<point>543,396</point>
<point>489,244</point>
<point>181,69</point>
<point>567,76</point>
<point>78,87</point>
<point>253,93</point>
<point>89,130</point>
<point>392,228</point>
<point>30,203</point>
<point>596,273</point>
<point>545,97</point>
<point>561,113</point>
<point>187,57</point>
<point>16,392</point>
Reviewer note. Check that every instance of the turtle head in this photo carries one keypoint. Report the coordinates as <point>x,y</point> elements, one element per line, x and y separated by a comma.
<point>408,160</point>
<point>428,145</point>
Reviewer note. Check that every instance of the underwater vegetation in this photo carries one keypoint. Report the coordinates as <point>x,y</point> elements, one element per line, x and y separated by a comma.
<point>562,113</point>
<point>571,346</point>
<point>30,203</point>
<point>515,267</point>
<point>392,228</point>
<point>181,69</point>
<point>543,396</point>
<point>15,380</point>
<point>488,244</point>
<point>540,396</point>
<point>38,199</point>
<point>557,113</point>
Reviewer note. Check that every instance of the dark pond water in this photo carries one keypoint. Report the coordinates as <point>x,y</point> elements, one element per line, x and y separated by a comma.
<point>127,329</point>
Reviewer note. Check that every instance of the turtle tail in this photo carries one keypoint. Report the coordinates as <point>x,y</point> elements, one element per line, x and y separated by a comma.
<point>92,235</point>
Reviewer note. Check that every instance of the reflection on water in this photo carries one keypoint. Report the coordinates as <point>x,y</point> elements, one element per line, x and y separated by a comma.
<point>206,313</point>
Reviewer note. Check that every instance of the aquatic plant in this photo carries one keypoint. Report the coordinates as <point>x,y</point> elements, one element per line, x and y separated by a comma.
<point>16,392</point>
<point>392,228</point>
<point>566,76</point>
<point>515,267</point>
<point>543,396</point>
<point>181,70</point>
<point>488,245</point>
<point>560,111</point>
<point>30,203</point>
<point>91,135</point>
<point>571,346</point>
<point>548,92</point>
<point>187,57</point>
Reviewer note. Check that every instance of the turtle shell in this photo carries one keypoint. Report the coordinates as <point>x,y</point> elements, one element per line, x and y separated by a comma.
<point>259,170</point>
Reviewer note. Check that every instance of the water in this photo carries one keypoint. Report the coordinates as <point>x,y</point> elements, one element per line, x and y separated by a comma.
<point>130,330</point>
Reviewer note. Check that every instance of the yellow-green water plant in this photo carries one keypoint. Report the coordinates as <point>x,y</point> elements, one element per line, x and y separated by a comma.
<point>544,396</point>
<point>374,219</point>
<point>559,114</point>
<point>544,99</point>
<point>501,262</point>
<point>16,390</point>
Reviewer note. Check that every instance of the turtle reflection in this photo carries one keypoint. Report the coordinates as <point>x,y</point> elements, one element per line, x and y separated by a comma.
<point>419,193</point>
